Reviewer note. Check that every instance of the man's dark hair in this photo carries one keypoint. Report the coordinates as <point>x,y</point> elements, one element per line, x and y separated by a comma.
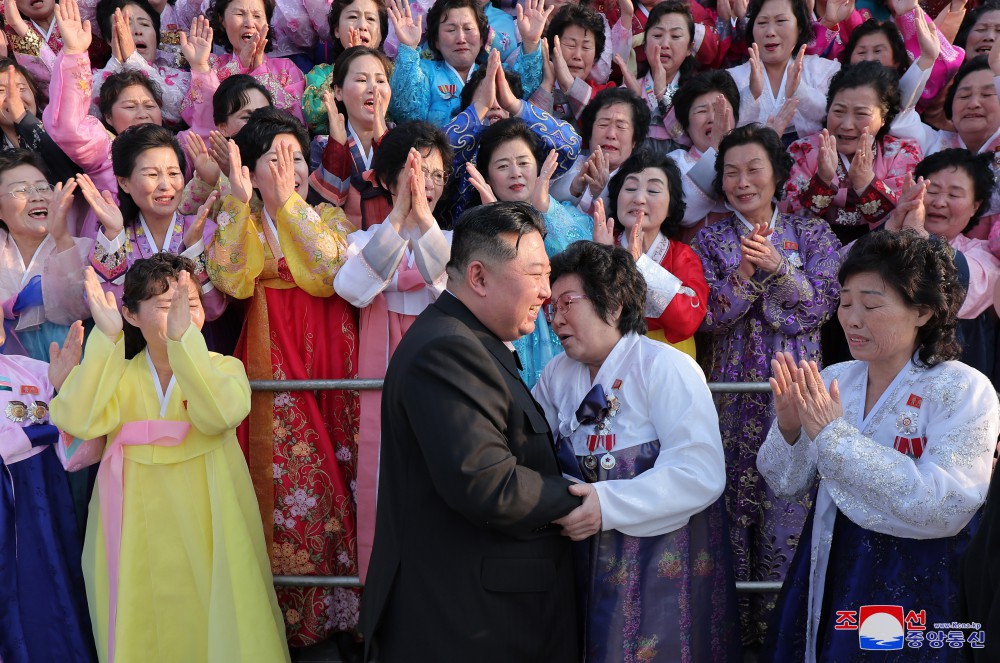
<point>478,234</point>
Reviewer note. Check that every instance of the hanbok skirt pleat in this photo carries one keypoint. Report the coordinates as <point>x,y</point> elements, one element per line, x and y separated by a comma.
<point>43,604</point>
<point>655,599</point>
<point>869,568</point>
<point>194,584</point>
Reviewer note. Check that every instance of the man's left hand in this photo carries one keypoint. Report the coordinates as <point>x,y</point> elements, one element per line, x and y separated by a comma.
<point>584,520</point>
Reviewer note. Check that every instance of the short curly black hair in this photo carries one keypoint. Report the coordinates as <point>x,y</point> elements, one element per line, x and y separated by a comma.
<point>979,63</point>
<point>610,280</point>
<point>437,14</point>
<point>979,168</point>
<point>801,13</point>
<point>781,161</point>
<point>713,80</point>
<point>871,74</point>
<point>610,97</point>
<point>638,162</point>
<point>216,13</point>
<point>874,26</point>
<point>583,17</point>
<point>922,272</point>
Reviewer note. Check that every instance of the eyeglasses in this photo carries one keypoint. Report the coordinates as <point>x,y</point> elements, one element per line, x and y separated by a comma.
<point>23,192</point>
<point>436,176</point>
<point>562,305</point>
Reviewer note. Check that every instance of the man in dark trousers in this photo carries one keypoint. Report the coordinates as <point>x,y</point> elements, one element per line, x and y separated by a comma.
<point>467,566</point>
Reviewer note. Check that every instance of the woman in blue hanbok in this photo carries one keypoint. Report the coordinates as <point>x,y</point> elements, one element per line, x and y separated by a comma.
<point>43,604</point>
<point>636,426</point>
<point>902,439</point>
<point>512,166</point>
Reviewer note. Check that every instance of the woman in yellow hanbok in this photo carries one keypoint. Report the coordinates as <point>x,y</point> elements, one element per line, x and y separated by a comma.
<point>174,557</point>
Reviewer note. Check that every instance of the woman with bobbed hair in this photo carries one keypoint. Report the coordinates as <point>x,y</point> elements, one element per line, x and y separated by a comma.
<point>647,211</point>
<point>772,284</point>
<point>635,425</point>
<point>779,69</point>
<point>902,442</point>
<point>851,172</point>
<point>612,126</point>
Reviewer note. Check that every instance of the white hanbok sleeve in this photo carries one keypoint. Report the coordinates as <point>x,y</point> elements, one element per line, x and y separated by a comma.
<point>690,472</point>
<point>373,255</point>
<point>933,496</point>
<point>789,469</point>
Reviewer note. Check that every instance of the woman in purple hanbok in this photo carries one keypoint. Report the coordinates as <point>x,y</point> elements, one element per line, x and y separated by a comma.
<point>636,428</point>
<point>773,283</point>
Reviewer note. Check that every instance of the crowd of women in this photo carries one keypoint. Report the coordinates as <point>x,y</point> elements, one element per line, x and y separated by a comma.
<point>194,194</point>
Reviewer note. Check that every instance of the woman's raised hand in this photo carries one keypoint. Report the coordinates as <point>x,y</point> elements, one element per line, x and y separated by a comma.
<point>12,17</point>
<point>103,306</point>
<point>251,53</point>
<point>927,41</point>
<point>179,315</point>
<point>862,170</point>
<point>121,32</point>
<point>658,71</point>
<point>756,72</point>
<point>240,185</point>
<point>780,120</point>
<point>63,360</point>
<point>408,30</point>
<point>563,75</point>
<point>604,227</point>
<point>540,198</point>
<point>421,215</point>
<point>283,172</point>
<point>758,249</point>
<point>486,94</point>
<point>505,96</point>
<point>826,157</point>
<point>635,237</point>
<point>58,226</point>
<point>104,205</point>
<point>722,120</point>
<point>531,20</point>
<point>76,35</point>
<point>479,183</point>
<point>817,405</point>
<point>196,232</point>
<point>196,45</point>
<point>205,167</point>
<point>402,203</point>
<point>628,78</point>
<point>338,125</point>
<point>786,408</point>
<point>795,75</point>
<point>599,172</point>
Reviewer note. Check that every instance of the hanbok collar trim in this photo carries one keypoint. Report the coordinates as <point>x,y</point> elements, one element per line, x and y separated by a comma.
<point>25,270</point>
<point>985,147</point>
<point>166,238</point>
<point>276,250</point>
<point>164,397</point>
<point>645,12</point>
<point>366,158</point>
<point>465,80</point>
<point>749,226</point>
<point>656,251</point>
<point>46,34</point>
<point>905,374</point>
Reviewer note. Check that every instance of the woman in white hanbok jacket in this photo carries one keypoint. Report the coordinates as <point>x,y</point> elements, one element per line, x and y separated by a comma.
<point>902,440</point>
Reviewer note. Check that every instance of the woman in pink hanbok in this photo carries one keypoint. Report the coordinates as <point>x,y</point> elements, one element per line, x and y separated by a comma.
<point>851,172</point>
<point>241,28</point>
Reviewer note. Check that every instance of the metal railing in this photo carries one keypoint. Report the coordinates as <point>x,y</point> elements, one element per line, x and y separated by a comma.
<point>370,385</point>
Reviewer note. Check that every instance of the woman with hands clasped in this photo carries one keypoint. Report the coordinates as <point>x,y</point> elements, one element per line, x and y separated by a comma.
<point>851,172</point>
<point>635,427</point>
<point>772,281</point>
<point>393,271</point>
<point>512,165</point>
<point>174,552</point>
<point>284,259</point>
<point>457,31</point>
<point>647,213</point>
<point>902,439</point>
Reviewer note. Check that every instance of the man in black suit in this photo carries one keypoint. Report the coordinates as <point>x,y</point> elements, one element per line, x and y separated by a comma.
<point>467,565</point>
